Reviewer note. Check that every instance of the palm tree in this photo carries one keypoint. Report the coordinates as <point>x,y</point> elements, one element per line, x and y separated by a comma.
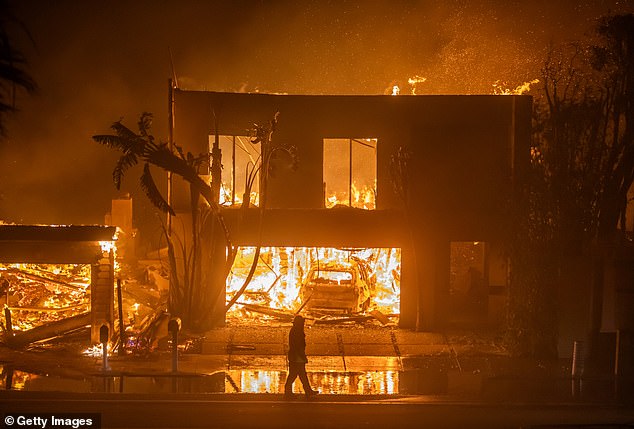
<point>12,73</point>
<point>141,147</point>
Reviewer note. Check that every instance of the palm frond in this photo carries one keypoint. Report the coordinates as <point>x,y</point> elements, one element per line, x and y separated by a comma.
<point>145,123</point>
<point>149,187</point>
<point>151,146</point>
<point>114,142</point>
<point>125,162</point>
<point>11,72</point>
<point>166,159</point>
<point>180,151</point>
<point>133,141</point>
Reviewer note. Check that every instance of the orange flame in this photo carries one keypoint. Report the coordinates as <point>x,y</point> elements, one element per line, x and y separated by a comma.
<point>283,270</point>
<point>499,88</point>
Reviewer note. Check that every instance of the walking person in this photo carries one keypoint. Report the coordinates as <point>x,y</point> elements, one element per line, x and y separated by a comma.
<point>297,359</point>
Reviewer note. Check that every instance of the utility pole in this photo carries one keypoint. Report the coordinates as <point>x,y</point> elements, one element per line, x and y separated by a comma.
<point>170,142</point>
<point>216,163</point>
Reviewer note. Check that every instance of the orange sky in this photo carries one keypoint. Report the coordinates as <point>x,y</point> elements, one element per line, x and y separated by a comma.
<point>98,61</point>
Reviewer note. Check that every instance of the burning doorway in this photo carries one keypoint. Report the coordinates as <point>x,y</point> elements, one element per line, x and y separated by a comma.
<point>322,282</point>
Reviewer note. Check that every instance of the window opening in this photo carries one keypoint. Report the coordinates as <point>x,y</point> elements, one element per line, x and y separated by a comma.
<point>239,156</point>
<point>350,172</point>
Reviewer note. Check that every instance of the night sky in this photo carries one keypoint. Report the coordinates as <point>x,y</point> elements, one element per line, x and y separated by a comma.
<point>98,61</point>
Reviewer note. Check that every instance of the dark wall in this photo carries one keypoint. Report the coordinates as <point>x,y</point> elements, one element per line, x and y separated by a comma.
<point>464,148</point>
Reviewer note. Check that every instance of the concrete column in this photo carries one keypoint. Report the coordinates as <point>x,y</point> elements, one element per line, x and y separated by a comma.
<point>433,282</point>
<point>102,295</point>
<point>409,289</point>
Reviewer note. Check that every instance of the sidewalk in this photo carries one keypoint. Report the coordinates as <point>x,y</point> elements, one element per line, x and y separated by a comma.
<point>345,363</point>
<point>366,378</point>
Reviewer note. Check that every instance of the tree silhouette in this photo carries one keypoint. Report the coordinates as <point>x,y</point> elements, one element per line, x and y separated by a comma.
<point>582,167</point>
<point>614,57</point>
<point>141,147</point>
<point>13,75</point>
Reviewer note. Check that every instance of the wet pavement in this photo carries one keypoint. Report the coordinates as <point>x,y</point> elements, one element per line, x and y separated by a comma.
<point>346,363</point>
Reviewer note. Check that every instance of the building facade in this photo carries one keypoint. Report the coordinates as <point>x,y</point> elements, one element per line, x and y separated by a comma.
<point>426,175</point>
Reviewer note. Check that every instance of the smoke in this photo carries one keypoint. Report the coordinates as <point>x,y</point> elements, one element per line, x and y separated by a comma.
<point>96,62</point>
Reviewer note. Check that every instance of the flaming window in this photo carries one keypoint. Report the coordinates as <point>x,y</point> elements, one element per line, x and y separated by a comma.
<point>239,156</point>
<point>350,172</point>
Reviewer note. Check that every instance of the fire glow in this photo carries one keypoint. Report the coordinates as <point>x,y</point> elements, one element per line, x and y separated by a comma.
<point>282,271</point>
<point>360,383</point>
<point>360,197</point>
<point>40,293</point>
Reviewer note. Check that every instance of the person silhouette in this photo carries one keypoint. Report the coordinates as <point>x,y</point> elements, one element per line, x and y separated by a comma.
<point>297,359</point>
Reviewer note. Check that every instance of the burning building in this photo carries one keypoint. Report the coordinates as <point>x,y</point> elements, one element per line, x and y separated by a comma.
<point>377,197</point>
<point>56,279</point>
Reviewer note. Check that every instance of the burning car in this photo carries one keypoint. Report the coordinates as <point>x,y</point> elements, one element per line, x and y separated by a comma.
<point>337,286</point>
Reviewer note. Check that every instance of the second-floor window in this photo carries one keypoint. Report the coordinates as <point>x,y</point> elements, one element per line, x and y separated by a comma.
<point>350,172</point>
<point>239,156</point>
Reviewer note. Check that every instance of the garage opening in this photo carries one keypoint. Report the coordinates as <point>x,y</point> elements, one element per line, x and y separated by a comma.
<point>37,294</point>
<point>323,283</point>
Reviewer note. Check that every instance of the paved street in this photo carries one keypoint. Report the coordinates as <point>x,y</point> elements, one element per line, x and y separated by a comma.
<point>133,411</point>
<point>368,378</point>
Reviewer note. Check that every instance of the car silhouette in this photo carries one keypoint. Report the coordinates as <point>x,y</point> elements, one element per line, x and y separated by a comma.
<point>337,286</point>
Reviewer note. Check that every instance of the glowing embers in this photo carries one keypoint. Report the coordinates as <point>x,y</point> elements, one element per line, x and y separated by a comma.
<point>40,293</point>
<point>320,282</point>
<point>350,172</point>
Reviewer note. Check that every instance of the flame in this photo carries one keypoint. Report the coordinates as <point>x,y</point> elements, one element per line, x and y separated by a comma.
<point>499,88</point>
<point>396,90</point>
<point>97,350</point>
<point>363,197</point>
<point>282,271</point>
<point>413,81</point>
<point>111,246</point>
<point>225,197</point>
<point>107,246</point>
<point>35,290</point>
